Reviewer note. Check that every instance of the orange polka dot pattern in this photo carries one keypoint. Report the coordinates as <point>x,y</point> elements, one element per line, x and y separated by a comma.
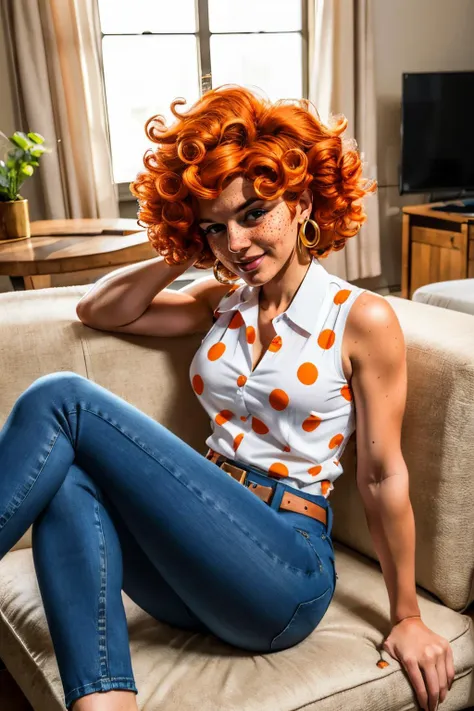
<point>250,333</point>
<point>311,422</point>
<point>336,441</point>
<point>236,321</point>
<point>327,339</point>
<point>293,413</point>
<point>342,296</point>
<point>259,427</point>
<point>216,351</point>
<point>279,399</point>
<point>275,344</point>
<point>198,384</point>
<point>325,487</point>
<point>346,393</point>
<point>223,416</point>
<point>278,469</point>
<point>307,373</point>
<point>237,441</point>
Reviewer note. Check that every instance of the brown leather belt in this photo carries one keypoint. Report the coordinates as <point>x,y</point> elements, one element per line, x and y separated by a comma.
<point>289,502</point>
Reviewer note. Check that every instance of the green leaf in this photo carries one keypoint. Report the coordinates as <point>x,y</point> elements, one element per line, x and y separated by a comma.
<point>21,140</point>
<point>36,137</point>
<point>4,182</point>
<point>38,151</point>
<point>27,170</point>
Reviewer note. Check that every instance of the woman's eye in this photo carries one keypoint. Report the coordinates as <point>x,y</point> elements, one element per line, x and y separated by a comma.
<point>255,214</point>
<point>251,216</point>
<point>212,230</point>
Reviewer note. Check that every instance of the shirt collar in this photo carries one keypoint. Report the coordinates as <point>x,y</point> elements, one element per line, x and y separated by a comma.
<point>308,300</point>
<point>304,307</point>
<point>240,299</point>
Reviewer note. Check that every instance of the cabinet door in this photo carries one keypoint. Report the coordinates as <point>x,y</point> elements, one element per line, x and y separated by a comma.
<point>436,255</point>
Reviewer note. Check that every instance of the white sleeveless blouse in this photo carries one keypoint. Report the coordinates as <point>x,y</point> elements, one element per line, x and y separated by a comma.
<point>293,415</point>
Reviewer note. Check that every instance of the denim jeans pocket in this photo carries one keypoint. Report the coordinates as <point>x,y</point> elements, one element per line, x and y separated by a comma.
<point>305,619</point>
<point>315,553</point>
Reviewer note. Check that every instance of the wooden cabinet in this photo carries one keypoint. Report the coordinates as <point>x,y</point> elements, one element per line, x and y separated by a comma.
<point>436,246</point>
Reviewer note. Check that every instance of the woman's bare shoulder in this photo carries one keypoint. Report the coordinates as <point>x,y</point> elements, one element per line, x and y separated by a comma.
<point>372,329</point>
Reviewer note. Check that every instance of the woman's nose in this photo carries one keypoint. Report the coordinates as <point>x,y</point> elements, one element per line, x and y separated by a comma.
<point>237,238</point>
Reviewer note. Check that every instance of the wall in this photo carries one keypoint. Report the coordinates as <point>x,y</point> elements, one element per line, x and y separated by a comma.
<point>410,36</point>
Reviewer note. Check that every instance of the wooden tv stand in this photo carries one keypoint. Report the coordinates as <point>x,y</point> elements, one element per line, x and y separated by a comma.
<point>436,246</point>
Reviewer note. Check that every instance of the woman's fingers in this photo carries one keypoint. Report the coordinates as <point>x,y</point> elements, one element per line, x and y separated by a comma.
<point>450,665</point>
<point>430,674</point>
<point>418,682</point>
<point>442,677</point>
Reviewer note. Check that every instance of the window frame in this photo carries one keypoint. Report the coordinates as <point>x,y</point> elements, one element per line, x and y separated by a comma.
<point>203,43</point>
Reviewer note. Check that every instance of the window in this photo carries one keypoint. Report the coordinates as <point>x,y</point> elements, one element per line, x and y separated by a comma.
<point>157,50</point>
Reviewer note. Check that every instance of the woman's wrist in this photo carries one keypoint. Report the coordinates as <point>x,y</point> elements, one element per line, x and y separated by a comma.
<point>408,617</point>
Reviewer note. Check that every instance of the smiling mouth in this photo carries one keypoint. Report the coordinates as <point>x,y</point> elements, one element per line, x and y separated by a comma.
<point>251,264</point>
<point>250,259</point>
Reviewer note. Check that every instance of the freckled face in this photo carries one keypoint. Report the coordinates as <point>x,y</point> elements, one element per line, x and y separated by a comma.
<point>240,227</point>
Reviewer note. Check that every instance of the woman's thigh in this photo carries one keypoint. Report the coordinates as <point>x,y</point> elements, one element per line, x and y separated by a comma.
<point>238,564</point>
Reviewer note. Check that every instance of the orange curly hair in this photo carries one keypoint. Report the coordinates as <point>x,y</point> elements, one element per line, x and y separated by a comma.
<point>282,147</point>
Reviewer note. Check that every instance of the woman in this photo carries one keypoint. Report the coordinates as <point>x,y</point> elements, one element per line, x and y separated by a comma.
<point>292,360</point>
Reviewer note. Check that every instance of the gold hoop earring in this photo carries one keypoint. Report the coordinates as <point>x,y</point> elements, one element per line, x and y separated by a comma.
<point>302,234</point>
<point>216,270</point>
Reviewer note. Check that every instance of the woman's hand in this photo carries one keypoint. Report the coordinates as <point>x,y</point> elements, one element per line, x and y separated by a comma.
<point>426,657</point>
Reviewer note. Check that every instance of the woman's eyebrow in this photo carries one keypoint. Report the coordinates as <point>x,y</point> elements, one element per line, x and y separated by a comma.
<point>245,204</point>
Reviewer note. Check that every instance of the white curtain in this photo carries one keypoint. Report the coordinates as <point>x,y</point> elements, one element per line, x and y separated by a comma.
<point>342,81</point>
<point>56,53</point>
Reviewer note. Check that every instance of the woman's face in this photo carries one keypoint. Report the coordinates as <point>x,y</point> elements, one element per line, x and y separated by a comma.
<point>253,238</point>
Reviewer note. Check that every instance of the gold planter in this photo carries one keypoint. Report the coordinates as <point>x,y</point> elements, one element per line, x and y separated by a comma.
<point>14,220</point>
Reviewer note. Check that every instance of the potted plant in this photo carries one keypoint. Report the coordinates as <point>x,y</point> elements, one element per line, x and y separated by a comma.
<point>20,162</point>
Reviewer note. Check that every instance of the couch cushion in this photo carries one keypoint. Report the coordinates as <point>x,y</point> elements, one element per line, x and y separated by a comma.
<point>437,437</point>
<point>336,667</point>
<point>457,295</point>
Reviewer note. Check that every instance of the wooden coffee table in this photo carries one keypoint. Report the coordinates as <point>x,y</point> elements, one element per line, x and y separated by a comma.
<point>63,252</point>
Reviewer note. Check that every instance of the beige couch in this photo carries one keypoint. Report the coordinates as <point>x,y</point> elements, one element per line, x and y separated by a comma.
<point>336,667</point>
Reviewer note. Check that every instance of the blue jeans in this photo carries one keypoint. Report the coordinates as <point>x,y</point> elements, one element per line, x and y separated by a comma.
<point>119,502</point>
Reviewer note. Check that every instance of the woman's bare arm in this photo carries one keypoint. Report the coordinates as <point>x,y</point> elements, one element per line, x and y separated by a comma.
<point>376,349</point>
<point>134,299</point>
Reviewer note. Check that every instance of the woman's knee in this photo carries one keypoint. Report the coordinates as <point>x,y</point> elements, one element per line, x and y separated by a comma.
<point>62,379</point>
<point>45,388</point>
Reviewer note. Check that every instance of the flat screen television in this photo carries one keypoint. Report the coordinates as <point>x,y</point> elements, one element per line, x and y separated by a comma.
<point>437,132</point>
